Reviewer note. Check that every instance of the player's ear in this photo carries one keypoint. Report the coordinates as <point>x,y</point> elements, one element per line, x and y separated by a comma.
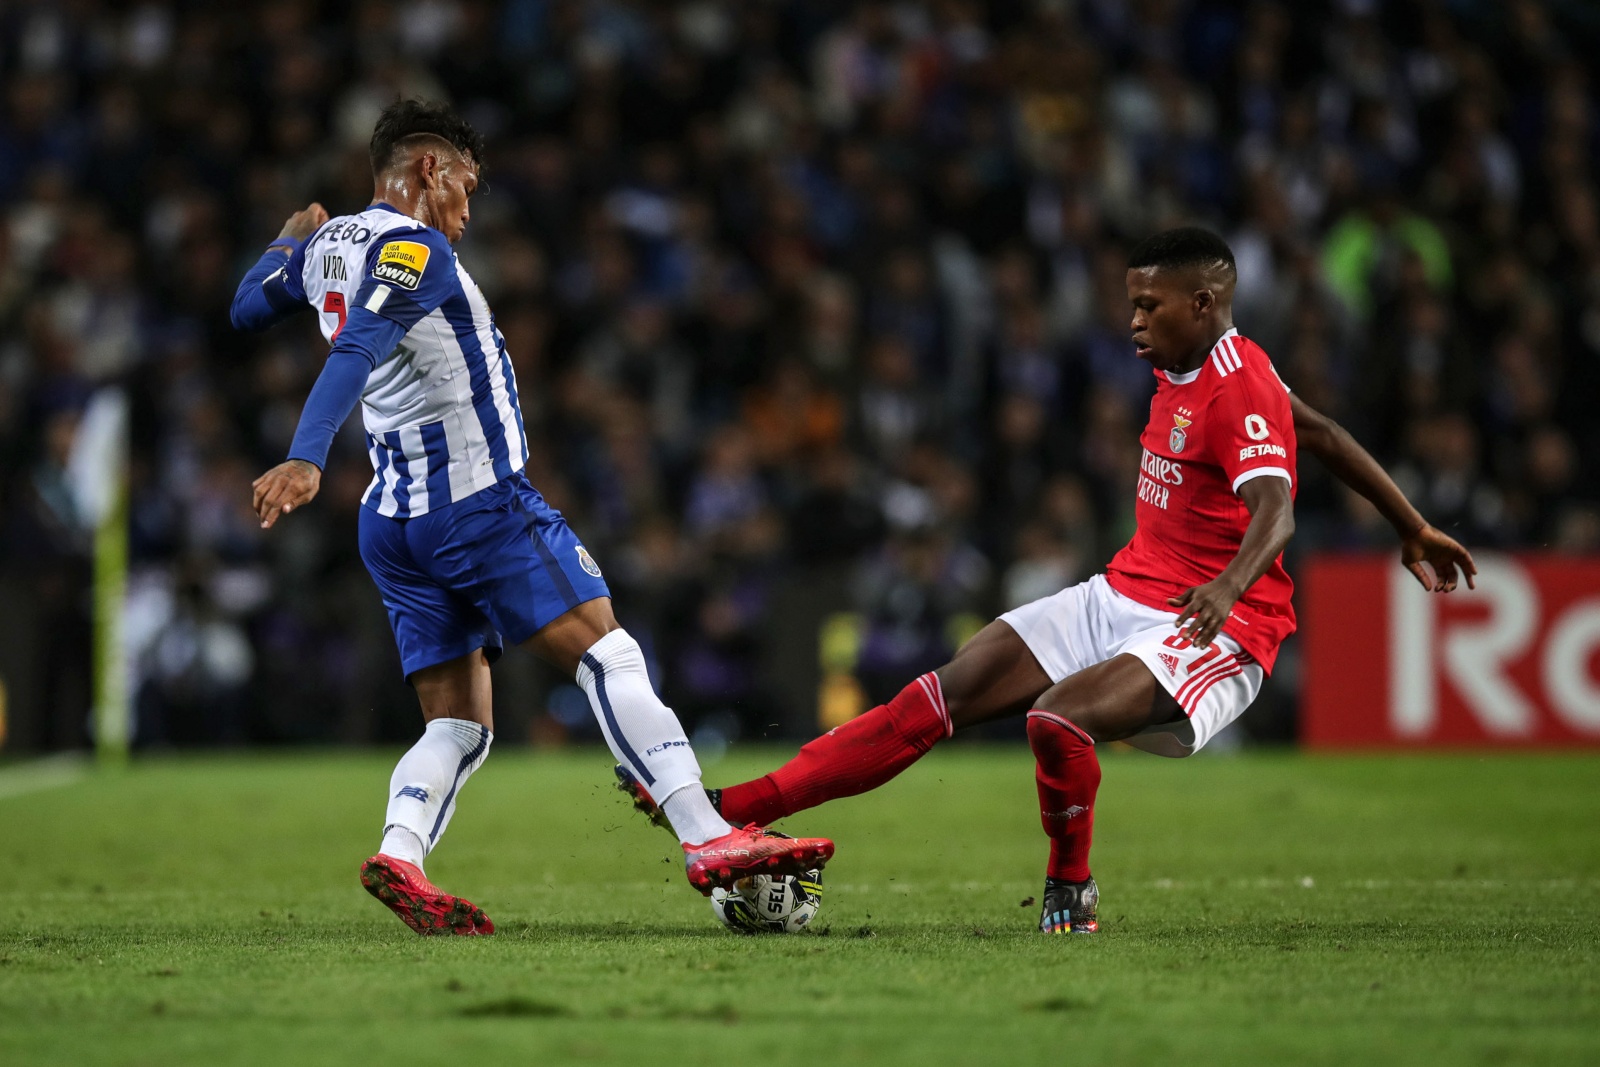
<point>1204,301</point>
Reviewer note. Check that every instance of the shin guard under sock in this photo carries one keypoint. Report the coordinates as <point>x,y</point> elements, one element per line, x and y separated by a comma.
<point>426,783</point>
<point>645,736</point>
<point>1068,774</point>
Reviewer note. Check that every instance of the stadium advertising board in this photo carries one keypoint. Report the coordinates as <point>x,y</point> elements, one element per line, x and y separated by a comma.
<point>1514,663</point>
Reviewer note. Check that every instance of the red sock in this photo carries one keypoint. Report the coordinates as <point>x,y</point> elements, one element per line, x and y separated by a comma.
<point>860,755</point>
<point>1068,774</point>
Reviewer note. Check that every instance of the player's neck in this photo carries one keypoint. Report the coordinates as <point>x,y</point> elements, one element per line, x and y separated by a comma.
<point>1198,357</point>
<point>404,198</point>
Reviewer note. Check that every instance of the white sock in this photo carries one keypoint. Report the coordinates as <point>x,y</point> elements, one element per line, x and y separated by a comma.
<point>646,736</point>
<point>425,784</point>
<point>693,818</point>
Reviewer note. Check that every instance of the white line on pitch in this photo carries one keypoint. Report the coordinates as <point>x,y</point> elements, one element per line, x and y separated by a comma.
<point>50,772</point>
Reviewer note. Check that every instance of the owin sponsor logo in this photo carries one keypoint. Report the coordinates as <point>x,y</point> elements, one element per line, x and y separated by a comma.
<point>402,263</point>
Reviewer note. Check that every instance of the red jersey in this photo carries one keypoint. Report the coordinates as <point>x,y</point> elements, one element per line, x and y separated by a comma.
<point>1210,431</point>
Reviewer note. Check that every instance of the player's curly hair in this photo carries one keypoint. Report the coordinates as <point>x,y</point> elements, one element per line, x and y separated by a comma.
<point>405,119</point>
<point>1186,246</point>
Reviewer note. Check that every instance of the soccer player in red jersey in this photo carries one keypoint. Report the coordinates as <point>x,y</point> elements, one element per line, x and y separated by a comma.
<point>1172,643</point>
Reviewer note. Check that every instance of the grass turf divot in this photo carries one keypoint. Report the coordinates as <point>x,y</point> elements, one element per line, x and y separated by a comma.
<point>515,1008</point>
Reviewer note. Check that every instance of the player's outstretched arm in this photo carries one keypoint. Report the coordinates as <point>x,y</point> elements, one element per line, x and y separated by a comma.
<point>271,291</point>
<point>1422,547</point>
<point>1205,607</point>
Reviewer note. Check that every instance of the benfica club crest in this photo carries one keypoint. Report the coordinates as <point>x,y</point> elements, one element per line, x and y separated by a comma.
<point>1178,438</point>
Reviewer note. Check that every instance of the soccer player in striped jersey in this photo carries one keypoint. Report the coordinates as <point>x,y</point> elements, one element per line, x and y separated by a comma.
<point>1171,644</point>
<point>465,552</point>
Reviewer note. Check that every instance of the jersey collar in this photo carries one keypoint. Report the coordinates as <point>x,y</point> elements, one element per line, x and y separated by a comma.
<point>379,205</point>
<point>1185,379</point>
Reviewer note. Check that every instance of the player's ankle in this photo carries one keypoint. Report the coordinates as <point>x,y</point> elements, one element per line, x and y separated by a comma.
<point>403,844</point>
<point>693,818</point>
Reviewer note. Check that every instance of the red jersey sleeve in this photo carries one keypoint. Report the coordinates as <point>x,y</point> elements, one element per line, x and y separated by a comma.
<point>1251,432</point>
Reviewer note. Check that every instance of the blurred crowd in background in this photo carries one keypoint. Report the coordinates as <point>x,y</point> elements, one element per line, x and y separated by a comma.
<point>792,288</point>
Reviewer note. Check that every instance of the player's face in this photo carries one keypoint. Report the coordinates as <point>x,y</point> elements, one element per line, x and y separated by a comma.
<point>1168,317</point>
<point>454,183</point>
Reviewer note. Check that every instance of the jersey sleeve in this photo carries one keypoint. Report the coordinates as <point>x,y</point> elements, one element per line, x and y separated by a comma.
<point>289,283</point>
<point>407,276</point>
<point>272,290</point>
<point>1251,432</point>
<point>332,398</point>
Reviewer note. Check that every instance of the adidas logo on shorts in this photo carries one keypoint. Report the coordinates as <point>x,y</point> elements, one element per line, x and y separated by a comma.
<point>1170,662</point>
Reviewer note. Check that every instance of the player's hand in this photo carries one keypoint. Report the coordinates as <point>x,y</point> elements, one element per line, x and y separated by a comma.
<point>1205,609</point>
<point>304,223</point>
<point>283,488</point>
<point>1440,552</point>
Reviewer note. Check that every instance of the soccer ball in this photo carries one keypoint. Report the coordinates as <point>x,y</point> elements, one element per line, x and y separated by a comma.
<point>769,904</point>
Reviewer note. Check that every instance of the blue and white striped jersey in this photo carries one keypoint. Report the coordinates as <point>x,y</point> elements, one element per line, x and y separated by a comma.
<point>441,410</point>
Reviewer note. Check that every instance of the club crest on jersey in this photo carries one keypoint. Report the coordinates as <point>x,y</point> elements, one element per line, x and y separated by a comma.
<point>586,561</point>
<point>1177,439</point>
<point>402,263</point>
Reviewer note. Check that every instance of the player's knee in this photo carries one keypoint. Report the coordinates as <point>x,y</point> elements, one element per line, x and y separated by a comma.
<point>564,641</point>
<point>959,706</point>
<point>1050,734</point>
<point>586,624</point>
<point>966,686</point>
<point>1097,720</point>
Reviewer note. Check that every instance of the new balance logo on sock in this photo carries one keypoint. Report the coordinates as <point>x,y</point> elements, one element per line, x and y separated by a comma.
<point>416,792</point>
<point>1170,662</point>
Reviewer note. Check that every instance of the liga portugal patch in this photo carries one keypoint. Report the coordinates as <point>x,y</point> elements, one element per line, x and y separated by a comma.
<point>402,263</point>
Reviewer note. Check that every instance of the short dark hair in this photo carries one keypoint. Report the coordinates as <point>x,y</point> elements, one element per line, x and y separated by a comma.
<point>1186,246</point>
<point>405,119</point>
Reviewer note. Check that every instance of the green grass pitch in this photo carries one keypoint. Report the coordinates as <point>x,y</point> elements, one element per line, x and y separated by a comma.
<point>1264,908</point>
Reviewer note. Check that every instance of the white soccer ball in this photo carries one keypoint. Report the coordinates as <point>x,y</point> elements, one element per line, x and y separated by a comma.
<point>769,904</point>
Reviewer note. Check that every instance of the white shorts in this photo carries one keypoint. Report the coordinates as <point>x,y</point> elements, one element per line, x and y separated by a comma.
<point>1091,622</point>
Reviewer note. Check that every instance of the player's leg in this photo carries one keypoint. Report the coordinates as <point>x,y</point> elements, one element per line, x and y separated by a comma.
<point>647,738</point>
<point>991,676</point>
<point>445,648</point>
<point>1000,672</point>
<point>458,730</point>
<point>526,570</point>
<point>642,732</point>
<point>547,593</point>
<point>1106,702</point>
<point>1159,692</point>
